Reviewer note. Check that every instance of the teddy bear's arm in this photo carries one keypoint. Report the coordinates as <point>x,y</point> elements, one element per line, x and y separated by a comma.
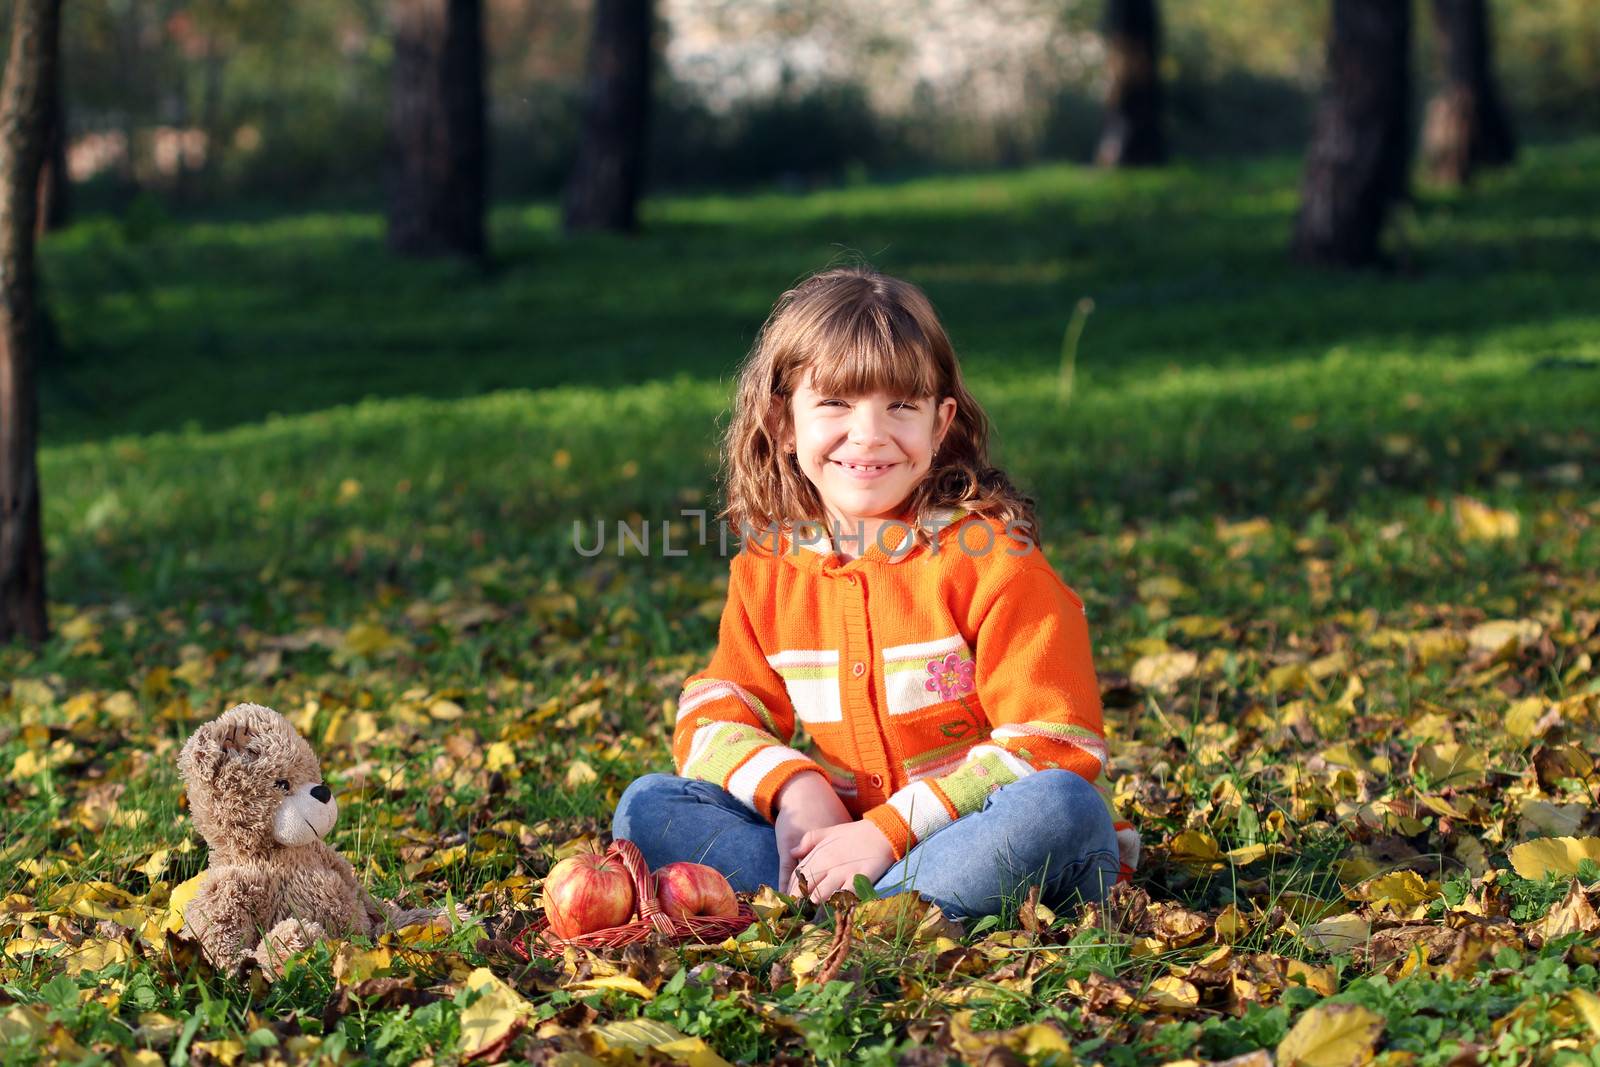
<point>229,914</point>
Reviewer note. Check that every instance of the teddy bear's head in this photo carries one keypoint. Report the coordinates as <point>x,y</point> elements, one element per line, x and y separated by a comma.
<point>254,784</point>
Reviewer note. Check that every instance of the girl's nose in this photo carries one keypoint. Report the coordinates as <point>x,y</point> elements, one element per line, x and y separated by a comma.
<point>866,425</point>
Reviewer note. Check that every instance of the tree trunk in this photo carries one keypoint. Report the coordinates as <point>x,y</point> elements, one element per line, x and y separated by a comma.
<point>603,189</point>
<point>1132,135</point>
<point>1466,127</point>
<point>1356,166</point>
<point>438,139</point>
<point>30,80</point>
<point>54,186</point>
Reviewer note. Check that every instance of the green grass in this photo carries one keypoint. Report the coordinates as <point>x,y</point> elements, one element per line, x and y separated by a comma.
<point>262,434</point>
<point>223,323</point>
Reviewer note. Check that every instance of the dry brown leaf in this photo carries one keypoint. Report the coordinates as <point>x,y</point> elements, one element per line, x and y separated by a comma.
<point>1573,914</point>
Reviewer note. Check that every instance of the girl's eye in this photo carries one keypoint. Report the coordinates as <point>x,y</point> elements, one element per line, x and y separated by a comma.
<point>910,405</point>
<point>282,784</point>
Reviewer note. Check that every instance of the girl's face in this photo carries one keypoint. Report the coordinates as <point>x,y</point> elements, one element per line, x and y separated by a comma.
<point>865,454</point>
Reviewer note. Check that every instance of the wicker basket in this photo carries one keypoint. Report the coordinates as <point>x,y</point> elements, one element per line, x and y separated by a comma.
<point>537,940</point>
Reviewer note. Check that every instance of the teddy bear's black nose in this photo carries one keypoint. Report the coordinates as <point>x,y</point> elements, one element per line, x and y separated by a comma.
<point>322,793</point>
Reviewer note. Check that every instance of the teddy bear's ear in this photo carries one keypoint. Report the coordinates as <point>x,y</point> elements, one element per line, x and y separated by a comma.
<point>199,756</point>
<point>211,746</point>
<point>235,739</point>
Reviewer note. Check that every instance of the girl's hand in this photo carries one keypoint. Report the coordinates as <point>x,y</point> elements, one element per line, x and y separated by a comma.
<point>830,859</point>
<point>806,803</point>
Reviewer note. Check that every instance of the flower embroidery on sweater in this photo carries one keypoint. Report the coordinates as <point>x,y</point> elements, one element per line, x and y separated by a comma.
<point>951,676</point>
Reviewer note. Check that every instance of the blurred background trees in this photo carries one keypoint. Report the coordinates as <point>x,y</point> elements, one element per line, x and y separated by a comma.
<point>1357,164</point>
<point>26,107</point>
<point>1466,127</point>
<point>439,108</point>
<point>437,129</point>
<point>201,101</point>
<point>1133,136</point>
<point>603,190</point>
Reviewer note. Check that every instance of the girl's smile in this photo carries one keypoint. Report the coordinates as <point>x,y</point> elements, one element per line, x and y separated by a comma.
<point>862,471</point>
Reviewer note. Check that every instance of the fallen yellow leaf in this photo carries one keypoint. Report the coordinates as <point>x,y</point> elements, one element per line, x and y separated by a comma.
<point>1331,1035</point>
<point>446,710</point>
<point>643,1035</point>
<point>491,1021</point>
<point>1587,1005</point>
<point>352,964</point>
<point>1449,764</point>
<point>1340,933</point>
<point>1397,891</point>
<point>368,639</point>
<point>1172,994</point>
<point>1162,671</point>
<point>179,900</point>
<point>446,857</point>
<point>226,1052</point>
<point>1196,848</point>
<point>1503,637</point>
<point>1477,521</point>
<point>1537,859</point>
<point>499,757</point>
<point>96,954</point>
<point>620,982</point>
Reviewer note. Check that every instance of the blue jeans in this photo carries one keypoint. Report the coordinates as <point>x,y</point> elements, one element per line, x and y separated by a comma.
<point>1049,828</point>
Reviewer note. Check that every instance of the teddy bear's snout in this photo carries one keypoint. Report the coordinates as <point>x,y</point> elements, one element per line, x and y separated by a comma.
<point>306,815</point>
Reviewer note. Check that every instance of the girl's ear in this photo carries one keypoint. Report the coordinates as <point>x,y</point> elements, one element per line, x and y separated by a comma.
<point>946,416</point>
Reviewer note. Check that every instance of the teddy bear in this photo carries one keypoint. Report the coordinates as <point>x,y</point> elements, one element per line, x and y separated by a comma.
<point>273,886</point>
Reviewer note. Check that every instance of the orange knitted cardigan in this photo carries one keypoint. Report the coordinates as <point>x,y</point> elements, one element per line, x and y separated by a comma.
<point>926,677</point>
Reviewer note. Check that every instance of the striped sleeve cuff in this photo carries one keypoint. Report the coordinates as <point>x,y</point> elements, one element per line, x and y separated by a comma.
<point>894,828</point>
<point>749,763</point>
<point>925,807</point>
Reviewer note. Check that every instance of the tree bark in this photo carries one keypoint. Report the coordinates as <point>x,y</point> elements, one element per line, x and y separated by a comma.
<point>603,189</point>
<point>1466,127</point>
<point>1357,163</point>
<point>437,129</point>
<point>30,80</point>
<point>1132,136</point>
<point>54,185</point>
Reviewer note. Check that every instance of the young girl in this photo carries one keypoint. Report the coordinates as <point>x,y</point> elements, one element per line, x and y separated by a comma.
<point>889,595</point>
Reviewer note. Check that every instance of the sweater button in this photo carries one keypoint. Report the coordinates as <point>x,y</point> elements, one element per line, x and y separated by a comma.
<point>877,781</point>
<point>858,669</point>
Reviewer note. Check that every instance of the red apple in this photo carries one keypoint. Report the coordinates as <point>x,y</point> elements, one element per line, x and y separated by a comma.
<point>587,892</point>
<point>686,889</point>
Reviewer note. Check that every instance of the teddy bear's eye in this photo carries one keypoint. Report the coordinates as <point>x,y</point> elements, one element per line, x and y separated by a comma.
<point>283,785</point>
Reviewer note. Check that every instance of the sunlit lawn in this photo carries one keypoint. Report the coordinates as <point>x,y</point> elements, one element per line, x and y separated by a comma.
<point>1337,537</point>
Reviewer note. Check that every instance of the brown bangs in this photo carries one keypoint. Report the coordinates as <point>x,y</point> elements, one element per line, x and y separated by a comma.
<point>858,349</point>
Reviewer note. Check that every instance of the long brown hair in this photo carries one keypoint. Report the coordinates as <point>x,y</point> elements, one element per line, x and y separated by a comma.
<point>858,332</point>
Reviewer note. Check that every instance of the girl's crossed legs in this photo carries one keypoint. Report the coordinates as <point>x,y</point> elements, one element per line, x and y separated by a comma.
<point>1049,828</point>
